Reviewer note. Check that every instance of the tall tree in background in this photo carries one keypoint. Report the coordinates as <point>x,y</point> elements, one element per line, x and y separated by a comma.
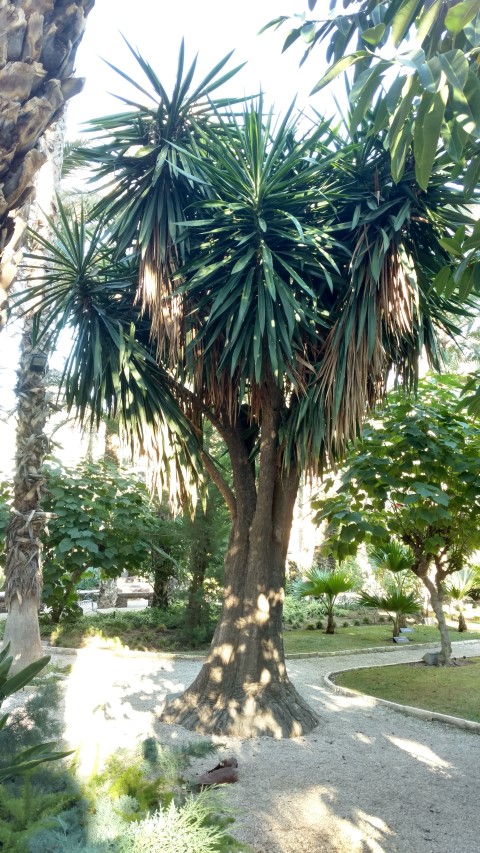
<point>414,476</point>
<point>38,43</point>
<point>23,569</point>
<point>282,275</point>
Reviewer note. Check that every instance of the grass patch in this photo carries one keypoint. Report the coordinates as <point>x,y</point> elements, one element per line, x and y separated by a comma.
<point>362,637</point>
<point>451,690</point>
<point>162,631</point>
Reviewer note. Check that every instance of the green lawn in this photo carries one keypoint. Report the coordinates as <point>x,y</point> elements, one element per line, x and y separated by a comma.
<point>451,690</point>
<point>363,637</point>
<point>151,630</point>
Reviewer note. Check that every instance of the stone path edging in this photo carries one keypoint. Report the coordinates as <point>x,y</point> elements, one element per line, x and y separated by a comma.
<point>408,710</point>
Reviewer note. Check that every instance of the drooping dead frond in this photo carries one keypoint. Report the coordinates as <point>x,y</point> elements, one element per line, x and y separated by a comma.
<point>373,333</point>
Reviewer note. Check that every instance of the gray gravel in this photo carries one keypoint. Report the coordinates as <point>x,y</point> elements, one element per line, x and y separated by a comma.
<point>367,780</point>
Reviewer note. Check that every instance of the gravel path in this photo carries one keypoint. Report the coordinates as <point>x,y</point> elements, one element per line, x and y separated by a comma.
<point>367,780</point>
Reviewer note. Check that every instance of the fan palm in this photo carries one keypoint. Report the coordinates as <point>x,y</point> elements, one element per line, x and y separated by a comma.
<point>396,602</point>
<point>458,586</point>
<point>283,288</point>
<point>327,586</point>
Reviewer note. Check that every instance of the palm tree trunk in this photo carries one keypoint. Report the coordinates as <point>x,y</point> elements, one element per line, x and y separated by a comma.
<point>27,522</point>
<point>23,546</point>
<point>330,629</point>
<point>243,688</point>
<point>38,43</point>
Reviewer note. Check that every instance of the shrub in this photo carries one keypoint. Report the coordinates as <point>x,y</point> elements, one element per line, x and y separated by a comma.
<point>298,612</point>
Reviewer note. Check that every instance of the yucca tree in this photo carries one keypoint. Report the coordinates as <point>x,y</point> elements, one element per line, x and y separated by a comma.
<point>327,586</point>
<point>281,276</point>
<point>458,587</point>
<point>39,43</point>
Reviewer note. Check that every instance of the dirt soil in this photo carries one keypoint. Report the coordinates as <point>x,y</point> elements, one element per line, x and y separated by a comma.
<point>367,780</point>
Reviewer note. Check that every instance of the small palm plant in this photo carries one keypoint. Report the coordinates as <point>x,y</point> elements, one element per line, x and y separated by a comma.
<point>327,585</point>
<point>398,598</point>
<point>394,557</point>
<point>396,602</point>
<point>458,586</point>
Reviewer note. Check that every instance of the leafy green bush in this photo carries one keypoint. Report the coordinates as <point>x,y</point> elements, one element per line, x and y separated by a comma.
<point>178,830</point>
<point>103,520</point>
<point>298,613</point>
<point>151,628</point>
<point>32,793</point>
<point>137,803</point>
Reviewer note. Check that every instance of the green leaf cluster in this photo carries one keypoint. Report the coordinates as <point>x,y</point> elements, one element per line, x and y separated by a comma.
<point>415,476</point>
<point>416,65</point>
<point>102,518</point>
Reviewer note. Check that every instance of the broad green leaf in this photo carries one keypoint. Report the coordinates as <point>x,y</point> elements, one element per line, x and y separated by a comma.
<point>460,15</point>
<point>23,677</point>
<point>374,35</point>
<point>403,20</point>
<point>401,146</point>
<point>412,58</point>
<point>463,117</point>
<point>455,65</point>
<point>243,261</point>
<point>443,280</point>
<point>428,126</point>
<point>340,66</point>
<point>472,31</point>
<point>308,32</point>
<point>427,20</point>
<point>431,75</point>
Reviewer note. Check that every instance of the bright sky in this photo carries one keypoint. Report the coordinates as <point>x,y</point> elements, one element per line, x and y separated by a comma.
<point>211,28</point>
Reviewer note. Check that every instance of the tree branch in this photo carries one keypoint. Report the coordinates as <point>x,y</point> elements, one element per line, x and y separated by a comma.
<point>220,483</point>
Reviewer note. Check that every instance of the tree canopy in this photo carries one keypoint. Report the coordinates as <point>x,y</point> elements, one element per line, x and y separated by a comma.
<point>263,275</point>
<point>416,62</point>
<point>415,476</point>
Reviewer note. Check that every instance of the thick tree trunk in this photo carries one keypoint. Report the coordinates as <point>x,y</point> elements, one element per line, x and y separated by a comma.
<point>436,599</point>
<point>38,43</point>
<point>243,688</point>
<point>27,522</point>
<point>462,625</point>
<point>108,593</point>
<point>22,632</point>
<point>163,572</point>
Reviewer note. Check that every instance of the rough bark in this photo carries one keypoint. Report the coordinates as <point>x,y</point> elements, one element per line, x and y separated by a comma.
<point>23,570</point>
<point>27,522</point>
<point>330,629</point>
<point>462,625</point>
<point>38,43</point>
<point>163,571</point>
<point>108,592</point>
<point>436,599</point>
<point>243,688</point>
<point>22,632</point>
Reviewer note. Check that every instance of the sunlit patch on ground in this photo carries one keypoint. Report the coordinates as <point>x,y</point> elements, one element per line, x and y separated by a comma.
<point>421,753</point>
